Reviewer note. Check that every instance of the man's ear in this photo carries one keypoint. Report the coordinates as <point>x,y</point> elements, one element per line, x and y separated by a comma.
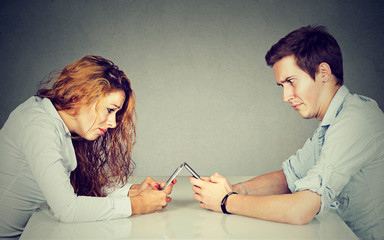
<point>324,71</point>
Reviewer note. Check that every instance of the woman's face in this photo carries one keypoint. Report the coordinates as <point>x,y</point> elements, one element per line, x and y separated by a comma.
<point>94,120</point>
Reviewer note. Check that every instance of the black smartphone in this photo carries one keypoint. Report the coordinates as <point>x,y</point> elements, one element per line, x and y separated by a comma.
<point>191,170</point>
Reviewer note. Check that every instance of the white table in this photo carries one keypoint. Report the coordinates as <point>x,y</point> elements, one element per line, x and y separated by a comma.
<point>183,218</point>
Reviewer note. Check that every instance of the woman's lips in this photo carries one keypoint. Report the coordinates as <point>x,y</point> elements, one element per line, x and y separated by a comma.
<point>102,131</point>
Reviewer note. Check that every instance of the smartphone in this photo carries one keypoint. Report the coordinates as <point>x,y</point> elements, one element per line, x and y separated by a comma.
<point>173,176</point>
<point>191,170</point>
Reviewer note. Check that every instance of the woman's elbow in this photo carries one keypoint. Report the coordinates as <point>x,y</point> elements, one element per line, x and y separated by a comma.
<point>64,219</point>
<point>64,216</point>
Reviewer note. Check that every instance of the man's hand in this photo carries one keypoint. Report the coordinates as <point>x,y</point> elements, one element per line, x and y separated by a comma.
<point>210,191</point>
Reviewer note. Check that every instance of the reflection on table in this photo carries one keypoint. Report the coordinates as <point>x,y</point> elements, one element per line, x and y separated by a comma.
<point>184,219</point>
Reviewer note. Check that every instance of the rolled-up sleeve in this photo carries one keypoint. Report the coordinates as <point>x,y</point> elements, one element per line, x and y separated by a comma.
<point>318,181</point>
<point>297,166</point>
<point>347,147</point>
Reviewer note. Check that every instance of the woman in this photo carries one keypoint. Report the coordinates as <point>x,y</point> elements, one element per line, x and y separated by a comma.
<point>70,146</point>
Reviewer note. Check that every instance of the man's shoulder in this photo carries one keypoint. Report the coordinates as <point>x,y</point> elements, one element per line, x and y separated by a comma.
<point>360,112</point>
<point>362,106</point>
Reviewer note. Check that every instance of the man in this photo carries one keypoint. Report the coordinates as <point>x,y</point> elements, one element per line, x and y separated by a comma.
<point>341,167</point>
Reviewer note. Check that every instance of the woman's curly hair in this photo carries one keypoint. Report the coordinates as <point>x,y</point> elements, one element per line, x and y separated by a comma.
<point>106,162</point>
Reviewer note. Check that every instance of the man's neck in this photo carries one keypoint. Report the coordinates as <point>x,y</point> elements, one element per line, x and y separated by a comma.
<point>329,94</point>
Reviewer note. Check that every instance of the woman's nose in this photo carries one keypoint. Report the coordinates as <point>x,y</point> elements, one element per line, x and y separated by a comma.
<point>111,121</point>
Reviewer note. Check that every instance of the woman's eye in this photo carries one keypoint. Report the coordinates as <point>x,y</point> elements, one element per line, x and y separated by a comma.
<point>109,110</point>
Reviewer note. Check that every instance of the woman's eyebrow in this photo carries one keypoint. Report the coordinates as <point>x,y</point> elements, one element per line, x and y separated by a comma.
<point>116,106</point>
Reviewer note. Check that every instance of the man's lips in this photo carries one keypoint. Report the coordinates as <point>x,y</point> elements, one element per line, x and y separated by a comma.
<point>103,131</point>
<point>296,105</point>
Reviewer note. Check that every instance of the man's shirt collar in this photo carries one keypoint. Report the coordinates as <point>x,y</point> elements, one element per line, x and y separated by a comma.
<point>335,106</point>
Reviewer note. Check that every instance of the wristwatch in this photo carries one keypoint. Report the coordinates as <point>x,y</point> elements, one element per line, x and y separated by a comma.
<point>224,202</point>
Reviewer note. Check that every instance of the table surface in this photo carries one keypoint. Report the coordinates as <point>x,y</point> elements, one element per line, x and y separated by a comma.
<point>183,218</point>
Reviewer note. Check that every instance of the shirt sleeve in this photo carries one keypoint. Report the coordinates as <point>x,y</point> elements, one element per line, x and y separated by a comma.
<point>348,146</point>
<point>297,166</point>
<point>119,192</point>
<point>42,146</point>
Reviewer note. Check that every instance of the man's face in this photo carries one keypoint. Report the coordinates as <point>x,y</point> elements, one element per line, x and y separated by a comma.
<point>299,89</point>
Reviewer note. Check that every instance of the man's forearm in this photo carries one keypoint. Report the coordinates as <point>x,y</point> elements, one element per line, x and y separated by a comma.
<point>298,208</point>
<point>268,184</point>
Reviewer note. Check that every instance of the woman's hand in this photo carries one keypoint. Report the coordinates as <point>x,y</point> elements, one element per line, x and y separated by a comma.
<point>211,191</point>
<point>146,197</point>
<point>136,189</point>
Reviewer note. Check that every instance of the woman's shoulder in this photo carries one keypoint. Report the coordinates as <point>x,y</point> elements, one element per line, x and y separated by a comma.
<point>34,112</point>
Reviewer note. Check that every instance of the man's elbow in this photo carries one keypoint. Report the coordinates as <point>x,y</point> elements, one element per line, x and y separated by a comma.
<point>301,216</point>
<point>301,219</point>
<point>305,207</point>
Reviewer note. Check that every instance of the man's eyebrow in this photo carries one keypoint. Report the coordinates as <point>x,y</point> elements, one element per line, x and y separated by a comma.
<point>285,80</point>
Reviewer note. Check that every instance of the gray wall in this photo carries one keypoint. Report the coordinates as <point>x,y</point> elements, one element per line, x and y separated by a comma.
<point>204,92</point>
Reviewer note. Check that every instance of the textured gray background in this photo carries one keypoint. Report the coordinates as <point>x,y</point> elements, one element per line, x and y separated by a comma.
<point>204,92</point>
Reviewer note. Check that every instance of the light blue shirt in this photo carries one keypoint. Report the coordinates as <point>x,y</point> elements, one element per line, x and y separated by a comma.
<point>344,163</point>
<point>37,157</point>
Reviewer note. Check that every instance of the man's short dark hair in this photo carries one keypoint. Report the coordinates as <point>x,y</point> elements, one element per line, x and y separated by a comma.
<point>311,45</point>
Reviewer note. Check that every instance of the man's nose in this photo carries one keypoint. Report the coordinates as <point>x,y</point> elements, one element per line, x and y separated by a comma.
<point>287,93</point>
